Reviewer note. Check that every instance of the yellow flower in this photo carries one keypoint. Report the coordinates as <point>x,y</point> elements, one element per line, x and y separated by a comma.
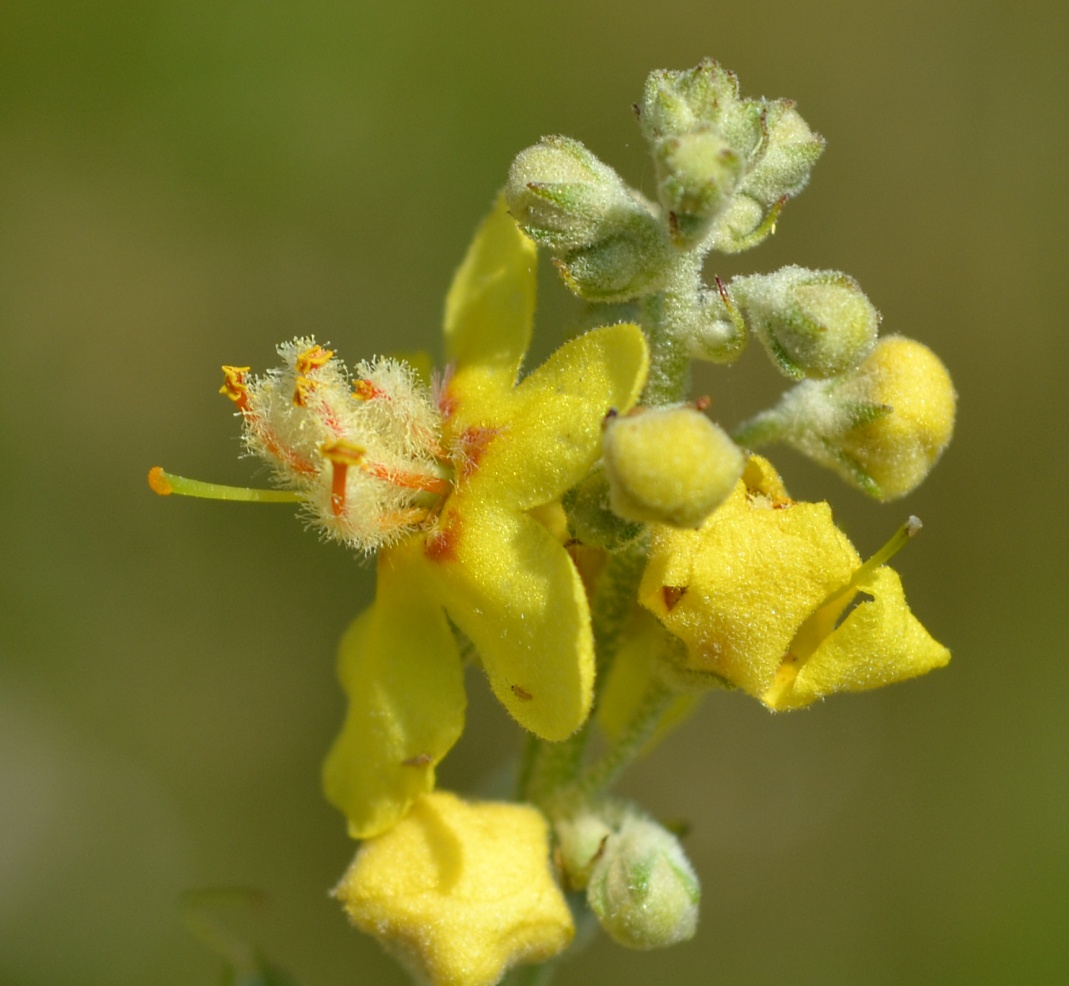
<point>758,592</point>
<point>460,891</point>
<point>465,544</point>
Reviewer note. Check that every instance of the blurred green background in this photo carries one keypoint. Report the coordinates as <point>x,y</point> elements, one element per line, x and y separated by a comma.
<point>184,184</point>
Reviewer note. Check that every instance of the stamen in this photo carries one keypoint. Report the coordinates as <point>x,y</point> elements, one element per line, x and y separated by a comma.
<point>234,386</point>
<point>302,390</point>
<point>397,519</point>
<point>312,359</point>
<point>166,483</point>
<point>365,390</point>
<point>341,455</point>
<point>423,482</point>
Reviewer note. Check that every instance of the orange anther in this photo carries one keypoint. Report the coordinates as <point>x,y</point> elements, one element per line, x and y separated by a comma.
<point>343,453</point>
<point>312,359</point>
<point>302,390</point>
<point>365,390</point>
<point>234,385</point>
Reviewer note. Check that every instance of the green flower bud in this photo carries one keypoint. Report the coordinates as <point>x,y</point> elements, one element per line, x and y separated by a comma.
<point>697,174</point>
<point>630,264</point>
<point>787,155</point>
<point>716,332</point>
<point>564,197</point>
<point>781,152</point>
<point>669,465</point>
<point>680,102</point>
<point>581,839</point>
<point>814,323</point>
<point>882,427</point>
<point>642,887</point>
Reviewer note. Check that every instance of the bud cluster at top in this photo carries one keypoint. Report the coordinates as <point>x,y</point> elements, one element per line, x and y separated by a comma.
<point>725,165</point>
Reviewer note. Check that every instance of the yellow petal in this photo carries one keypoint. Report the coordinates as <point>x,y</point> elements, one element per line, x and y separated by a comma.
<point>400,667</point>
<point>551,432</point>
<point>489,313</point>
<point>736,590</point>
<point>460,891</point>
<point>879,642</point>
<point>513,590</point>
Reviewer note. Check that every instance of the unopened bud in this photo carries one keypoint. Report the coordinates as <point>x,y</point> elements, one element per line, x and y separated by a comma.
<point>787,157</point>
<point>669,465</point>
<point>882,427</point>
<point>642,887</point>
<point>679,102</point>
<point>581,839</point>
<point>814,323</point>
<point>630,264</point>
<point>697,173</point>
<point>565,197</point>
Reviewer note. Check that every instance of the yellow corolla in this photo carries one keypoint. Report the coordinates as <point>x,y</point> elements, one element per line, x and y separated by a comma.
<point>758,596</point>
<point>460,891</point>
<point>462,543</point>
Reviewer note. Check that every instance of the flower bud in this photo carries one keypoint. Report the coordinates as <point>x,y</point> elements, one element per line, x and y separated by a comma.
<point>787,157</point>
<point>697,173</point>
<point>565,198</point>
<point>629,264</point>
<point>581,838</point>
<point>781,152</point>
<point>814,323</point>
<point>669,465</point>
<point>882,427</point>
<point>679,102</point>
<point>642,887</point>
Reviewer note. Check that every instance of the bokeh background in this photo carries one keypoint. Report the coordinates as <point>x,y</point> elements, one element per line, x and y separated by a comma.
<point>184,184</point>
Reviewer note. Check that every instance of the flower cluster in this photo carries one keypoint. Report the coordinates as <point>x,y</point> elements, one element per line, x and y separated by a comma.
<point>586,532</point>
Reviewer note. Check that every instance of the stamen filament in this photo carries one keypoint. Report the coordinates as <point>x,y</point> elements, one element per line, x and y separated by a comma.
<point>423,482</point>
<point>166,483</point>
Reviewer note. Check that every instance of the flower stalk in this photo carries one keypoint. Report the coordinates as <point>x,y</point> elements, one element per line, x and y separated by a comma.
<point>587,535</point>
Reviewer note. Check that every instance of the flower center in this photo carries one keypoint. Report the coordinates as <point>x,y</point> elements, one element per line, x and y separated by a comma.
<point>364,452</point>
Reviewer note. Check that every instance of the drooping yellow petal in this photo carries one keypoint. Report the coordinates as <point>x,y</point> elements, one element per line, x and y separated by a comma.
<point>552,430</point>
<point>400,667</point>
<point>879,642</point>
<point>460,891</point>
<point>513,590</point>
<point>489,313</point>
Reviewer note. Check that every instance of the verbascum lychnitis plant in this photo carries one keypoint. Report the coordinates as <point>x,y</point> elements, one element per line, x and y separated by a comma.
<point>587,534</point>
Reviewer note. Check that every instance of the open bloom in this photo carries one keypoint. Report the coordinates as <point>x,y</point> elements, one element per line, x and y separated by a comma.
<point>447,485</point>
<point>460,891</point>
<point>758,596</point>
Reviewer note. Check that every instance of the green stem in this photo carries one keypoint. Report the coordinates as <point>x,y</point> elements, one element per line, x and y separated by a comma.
<point>666,317</point>
<point>613,601</point>
<point>549,767</point>
<point>762,429</point>
<point>600,776</point>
